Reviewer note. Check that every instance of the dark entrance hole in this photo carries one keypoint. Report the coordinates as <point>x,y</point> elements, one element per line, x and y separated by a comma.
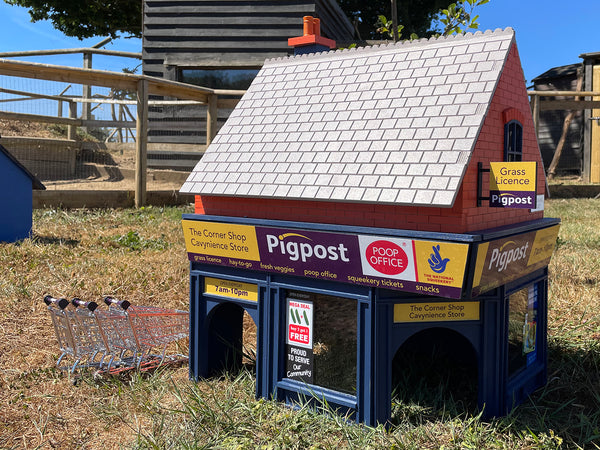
<point>434,372</point>
<point>231,340</point>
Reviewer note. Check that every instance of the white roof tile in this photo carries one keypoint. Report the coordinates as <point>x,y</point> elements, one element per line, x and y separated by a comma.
<point>392,123</point>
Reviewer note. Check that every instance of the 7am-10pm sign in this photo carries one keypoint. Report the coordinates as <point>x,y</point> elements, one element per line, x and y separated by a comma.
<point>513,184</point>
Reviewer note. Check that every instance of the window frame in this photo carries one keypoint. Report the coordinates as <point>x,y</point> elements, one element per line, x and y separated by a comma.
<point>181,74</point>
<point>513,141</point>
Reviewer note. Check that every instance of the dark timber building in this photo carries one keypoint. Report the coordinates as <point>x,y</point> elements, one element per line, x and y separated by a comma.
<point>221,44</point>
<point>581,152</point>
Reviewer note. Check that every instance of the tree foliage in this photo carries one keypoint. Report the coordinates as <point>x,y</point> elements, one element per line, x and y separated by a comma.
<point>87,18</point>
<point>456,18</point>
<point>415,16</point>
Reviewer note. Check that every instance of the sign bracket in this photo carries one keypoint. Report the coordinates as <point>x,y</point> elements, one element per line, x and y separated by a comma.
<point>480,172</point>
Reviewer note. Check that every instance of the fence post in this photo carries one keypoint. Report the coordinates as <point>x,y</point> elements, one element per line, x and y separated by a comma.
<point>72,129</point>
<point>535,110</point>
<point>211,119</point>
<point>87,89</point>
<point>141,141</point>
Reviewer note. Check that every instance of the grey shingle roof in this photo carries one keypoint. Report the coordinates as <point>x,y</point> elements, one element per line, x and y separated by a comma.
<point>392,124</point>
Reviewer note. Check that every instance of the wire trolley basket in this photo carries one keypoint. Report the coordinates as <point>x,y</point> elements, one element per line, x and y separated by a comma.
<point>117,338</point>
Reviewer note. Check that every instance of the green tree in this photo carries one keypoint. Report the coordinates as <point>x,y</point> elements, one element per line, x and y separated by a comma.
<point>415,16</point>
<point>456,18</point>
<point>87,18</point>
<point>459,18</point>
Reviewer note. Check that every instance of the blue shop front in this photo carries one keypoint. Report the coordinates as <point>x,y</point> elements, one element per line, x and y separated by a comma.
<point>371,211</point>
<point>330,322</point>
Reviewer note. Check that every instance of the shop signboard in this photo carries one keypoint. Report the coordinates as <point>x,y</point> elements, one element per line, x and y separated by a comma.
<point>411,265</point>
<point>513,184</point>
<point>504,260</point>
<point>435,312</point>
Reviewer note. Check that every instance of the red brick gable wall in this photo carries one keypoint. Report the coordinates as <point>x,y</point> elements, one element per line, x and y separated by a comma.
<point>510,102</point>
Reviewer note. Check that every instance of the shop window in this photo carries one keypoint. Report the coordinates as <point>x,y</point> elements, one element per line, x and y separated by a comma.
<point>522,328</point>
<point>231,78</point>
<point>513,141</point>
<point>322,340</point>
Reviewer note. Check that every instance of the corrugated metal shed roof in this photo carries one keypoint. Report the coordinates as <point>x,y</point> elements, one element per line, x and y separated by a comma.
<point>558,72</point>
<point>392,124</point>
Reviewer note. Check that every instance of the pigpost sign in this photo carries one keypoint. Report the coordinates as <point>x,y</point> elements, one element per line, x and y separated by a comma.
<point>412,265</point>
<point>513,184</point>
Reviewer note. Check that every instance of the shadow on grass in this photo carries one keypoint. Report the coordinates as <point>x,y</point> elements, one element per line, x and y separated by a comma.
<point>436,388</point>
<point>51,240</point>
<point>569,404</point>
<point>432,384</point>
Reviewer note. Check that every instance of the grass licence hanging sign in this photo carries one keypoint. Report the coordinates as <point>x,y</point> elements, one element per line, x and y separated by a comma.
<point>513,184</point>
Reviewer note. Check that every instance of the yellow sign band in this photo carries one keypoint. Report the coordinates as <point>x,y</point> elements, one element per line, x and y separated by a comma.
<point>435,312</point>
<point>231,289</point>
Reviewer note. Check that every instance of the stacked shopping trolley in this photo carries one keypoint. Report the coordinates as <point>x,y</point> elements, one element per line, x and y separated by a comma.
<point>118,337</point>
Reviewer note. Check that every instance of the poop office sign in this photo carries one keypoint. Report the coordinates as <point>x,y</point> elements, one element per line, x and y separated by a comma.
<point>299,340</point>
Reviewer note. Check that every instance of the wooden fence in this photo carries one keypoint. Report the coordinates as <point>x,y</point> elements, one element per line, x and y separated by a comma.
<point>576,101</point>
<point>143,86</point>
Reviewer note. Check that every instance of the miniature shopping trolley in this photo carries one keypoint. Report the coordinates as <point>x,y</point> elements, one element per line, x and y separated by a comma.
<point>117,338</point>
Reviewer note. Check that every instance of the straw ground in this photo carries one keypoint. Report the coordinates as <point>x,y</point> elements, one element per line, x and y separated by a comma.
<point>139,255</point>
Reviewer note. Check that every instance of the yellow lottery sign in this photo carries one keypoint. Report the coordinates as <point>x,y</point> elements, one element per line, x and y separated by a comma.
<point>221,239</point>
<point>441,263</point>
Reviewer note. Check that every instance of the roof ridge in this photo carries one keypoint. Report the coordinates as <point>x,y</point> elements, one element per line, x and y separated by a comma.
<point>37,184</point>
<point>405,44</point>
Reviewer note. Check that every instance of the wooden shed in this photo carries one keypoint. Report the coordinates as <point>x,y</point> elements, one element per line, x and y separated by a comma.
<point>581,151</point>
<point>591,119</point>
<point>16,183</point>
<point>550,124</point>
<point>221,44</point>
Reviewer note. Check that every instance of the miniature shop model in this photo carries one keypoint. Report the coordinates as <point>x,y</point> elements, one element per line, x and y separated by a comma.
<point>17,204</point>
<point>360,202</point>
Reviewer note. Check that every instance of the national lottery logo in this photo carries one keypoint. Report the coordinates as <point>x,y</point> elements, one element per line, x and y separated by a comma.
<point>436,262</point>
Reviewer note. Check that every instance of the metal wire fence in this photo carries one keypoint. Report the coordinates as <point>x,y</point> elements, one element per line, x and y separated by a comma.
<point>83,132</point>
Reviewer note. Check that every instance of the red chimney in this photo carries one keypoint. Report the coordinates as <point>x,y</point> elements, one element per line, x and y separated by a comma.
<point>312,41</point>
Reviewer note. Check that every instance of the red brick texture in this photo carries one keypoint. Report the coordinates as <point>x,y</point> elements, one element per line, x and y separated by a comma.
<point>510,102</point>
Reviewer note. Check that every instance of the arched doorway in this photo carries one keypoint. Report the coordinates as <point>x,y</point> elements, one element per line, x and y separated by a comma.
<point>434,370</point>
<point>231,340</point>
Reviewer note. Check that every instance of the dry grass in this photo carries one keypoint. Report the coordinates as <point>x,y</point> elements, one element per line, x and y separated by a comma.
<point>86,254</point>
<point>19,128</point>
<point>574,299</point>
<point>140,256</point>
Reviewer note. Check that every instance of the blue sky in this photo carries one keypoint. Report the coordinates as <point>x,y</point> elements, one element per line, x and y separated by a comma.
<point>550,33</point>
